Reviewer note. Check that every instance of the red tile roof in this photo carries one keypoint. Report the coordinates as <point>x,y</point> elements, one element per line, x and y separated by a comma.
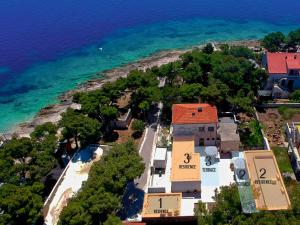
<point>281,62</point>
<point>189,113</point>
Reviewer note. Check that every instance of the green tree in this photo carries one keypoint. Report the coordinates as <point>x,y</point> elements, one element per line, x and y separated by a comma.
<point>208,48</point>
<point>18,149</point>
<point>293,38</point>
<point>44,130</point>
<point>272,42</point>
<point>20,204</point>
<point>240,51</point>
<point>75,214</point>
<point>80,127</point>
<point>138,126</point>
<point>190,92</point>
<point>113,220</point>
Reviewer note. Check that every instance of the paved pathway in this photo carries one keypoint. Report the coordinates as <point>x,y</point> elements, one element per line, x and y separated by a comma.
<point>146,152</point>
<point>146,148</point>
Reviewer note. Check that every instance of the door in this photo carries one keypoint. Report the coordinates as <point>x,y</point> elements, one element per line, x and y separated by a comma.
<point>201,142</point>
<point>290,85</point>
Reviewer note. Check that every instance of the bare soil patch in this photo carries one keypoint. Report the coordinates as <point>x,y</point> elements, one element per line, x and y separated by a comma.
<point>273,126</point>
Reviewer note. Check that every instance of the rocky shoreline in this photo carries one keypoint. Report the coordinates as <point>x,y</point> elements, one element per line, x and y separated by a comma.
<point>51,113</point>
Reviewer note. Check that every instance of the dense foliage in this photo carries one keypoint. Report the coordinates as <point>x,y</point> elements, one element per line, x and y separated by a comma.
<point>228,209</point>
<point>295,96</point>
<point>101,194</point>
<point>250,133</point>
<point>138,126</point>
<point>23,163</point>
<point>277,41</point>
<point>80,127</point>
<point>227,79</point>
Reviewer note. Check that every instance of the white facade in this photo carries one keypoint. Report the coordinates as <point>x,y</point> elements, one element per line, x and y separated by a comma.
<point>293,137</point>
<point>205,134</point>
<point>160,158</point>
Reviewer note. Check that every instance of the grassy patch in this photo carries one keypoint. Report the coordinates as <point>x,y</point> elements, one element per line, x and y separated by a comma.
<point>283,159</point>
<point>251,135</point>
<point>287,113</point>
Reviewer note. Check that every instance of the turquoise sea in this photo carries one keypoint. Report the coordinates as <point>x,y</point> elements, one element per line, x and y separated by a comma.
<point>25,89</point>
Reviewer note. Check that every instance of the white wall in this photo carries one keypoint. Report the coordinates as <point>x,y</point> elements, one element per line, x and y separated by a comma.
<point>193,129</point>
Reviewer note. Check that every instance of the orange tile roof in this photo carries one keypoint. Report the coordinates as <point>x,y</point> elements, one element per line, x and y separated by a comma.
<point>281,62</point>
<point>189,113</point>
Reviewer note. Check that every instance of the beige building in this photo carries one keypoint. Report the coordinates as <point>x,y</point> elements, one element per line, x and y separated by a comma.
<point>267,185</point>
<point>228,135</point>
<point>185,172</point>
<point>198,120</point>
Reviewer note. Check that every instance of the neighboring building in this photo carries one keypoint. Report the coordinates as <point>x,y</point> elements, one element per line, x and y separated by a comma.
<point>124,119</point>
<point>185,174</point>
<point>124,112</point>
<point>228,135</point>
<point>293,136</point>
<point>268,188</point>
<point>198,120</point>
<point>283,73</point>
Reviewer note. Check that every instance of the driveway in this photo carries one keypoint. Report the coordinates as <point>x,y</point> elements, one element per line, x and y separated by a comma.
<point>146,148</point>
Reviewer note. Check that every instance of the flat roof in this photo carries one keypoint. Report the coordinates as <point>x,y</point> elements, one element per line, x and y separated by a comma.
<point>268,188</point>
<point>162,205</point>
<point>228,131</point>
<point>185,162</point>
<point>160,154</point>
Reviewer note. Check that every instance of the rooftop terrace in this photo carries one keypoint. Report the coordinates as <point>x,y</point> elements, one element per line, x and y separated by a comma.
<point>185,162</point>
<point>161,205</point>
<point>266,181</point>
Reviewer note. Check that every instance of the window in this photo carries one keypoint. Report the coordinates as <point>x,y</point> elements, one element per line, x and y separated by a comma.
<point>207,139</point>
<point>201,129</point>
<point>213,139</point>
<point>211,129</point>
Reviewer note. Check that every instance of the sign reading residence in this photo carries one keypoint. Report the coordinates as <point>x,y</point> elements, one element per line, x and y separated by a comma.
<point>162,204</point>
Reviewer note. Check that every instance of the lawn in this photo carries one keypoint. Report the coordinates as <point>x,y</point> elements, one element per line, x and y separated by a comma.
<point>283,159</point>
<point>288,113</point>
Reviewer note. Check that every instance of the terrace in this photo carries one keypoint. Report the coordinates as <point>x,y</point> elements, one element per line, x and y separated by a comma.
<point>70,182</point>
<point>266,181</point>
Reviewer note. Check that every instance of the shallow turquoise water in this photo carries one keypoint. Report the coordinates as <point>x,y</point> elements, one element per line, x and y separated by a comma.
<point>42,83</point>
